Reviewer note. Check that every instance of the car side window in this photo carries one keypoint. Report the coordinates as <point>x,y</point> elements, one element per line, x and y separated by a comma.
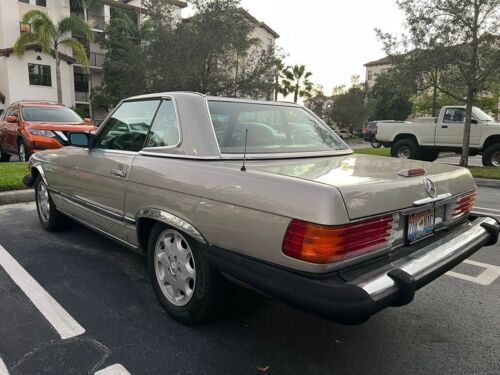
<point>128,127</point>
<point>454,115</point>
<point>165,129</point>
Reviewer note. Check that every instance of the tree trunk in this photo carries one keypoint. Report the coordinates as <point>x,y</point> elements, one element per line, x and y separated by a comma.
<point>58,75</point>
<point>296,93</point>
<point>464,160</point>
<point>434,96</point>
<point>89,86</point>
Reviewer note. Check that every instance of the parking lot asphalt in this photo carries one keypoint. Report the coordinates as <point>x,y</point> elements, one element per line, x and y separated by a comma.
<point>450,328</point>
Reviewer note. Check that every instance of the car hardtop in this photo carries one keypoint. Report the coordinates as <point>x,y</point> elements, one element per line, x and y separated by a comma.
<point>197,133</point>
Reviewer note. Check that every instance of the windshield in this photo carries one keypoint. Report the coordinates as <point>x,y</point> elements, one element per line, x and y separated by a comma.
<point>50,114</point>
<point>271,129</point>
<point>481,115</point>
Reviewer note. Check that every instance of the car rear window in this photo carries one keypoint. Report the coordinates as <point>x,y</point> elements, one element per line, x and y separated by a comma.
<point>271,129</point>
<point>50,114</point>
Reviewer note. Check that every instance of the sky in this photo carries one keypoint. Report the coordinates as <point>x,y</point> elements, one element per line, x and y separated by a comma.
<point>333,38</point>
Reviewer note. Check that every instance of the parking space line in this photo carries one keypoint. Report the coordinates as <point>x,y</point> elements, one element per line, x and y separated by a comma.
<point>487,277</point>
<point>115,369</point>
<point>486,209</point>
<point>59,318</point>
<point>3,368</point>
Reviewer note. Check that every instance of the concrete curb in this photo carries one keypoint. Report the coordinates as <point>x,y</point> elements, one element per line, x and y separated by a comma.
<point>486,182</point>
<point>17,196</point>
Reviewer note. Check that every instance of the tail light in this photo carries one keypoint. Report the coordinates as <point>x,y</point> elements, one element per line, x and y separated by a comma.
<point>462,206</point>
<point>327,244</point>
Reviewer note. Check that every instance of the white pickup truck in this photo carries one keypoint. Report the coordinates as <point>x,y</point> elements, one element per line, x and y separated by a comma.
<point>425,139</point>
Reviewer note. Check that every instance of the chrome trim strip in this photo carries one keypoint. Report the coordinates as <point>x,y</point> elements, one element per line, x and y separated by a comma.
<point>38,166</point>
<point>429,256</point>
<point>440,197</point>
<point>168,218</point>
<point>90,206</point>
<point>177,156</point>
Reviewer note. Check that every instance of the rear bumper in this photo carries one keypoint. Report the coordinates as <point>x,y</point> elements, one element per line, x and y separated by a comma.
<point>352,300</point>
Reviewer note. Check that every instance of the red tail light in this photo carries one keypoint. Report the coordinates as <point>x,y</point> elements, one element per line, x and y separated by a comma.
<point>327,244</point>
<point>462,206</point>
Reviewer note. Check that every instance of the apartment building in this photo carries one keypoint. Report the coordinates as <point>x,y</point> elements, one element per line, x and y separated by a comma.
<point>34,77</point>
<point>376,68</point>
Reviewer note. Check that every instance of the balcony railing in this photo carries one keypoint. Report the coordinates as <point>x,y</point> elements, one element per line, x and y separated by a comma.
<point>82,97</point>
<point>95,59</point>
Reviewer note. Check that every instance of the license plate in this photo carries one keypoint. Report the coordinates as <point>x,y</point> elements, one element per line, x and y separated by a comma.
<point>420,226</point>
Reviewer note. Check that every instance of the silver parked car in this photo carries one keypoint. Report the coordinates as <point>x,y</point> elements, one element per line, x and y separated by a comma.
<point>263,194</point>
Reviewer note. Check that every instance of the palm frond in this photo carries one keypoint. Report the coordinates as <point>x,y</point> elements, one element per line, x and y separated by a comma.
<point>24,41</point>
<point>78,51</point>
<point>75,26</point>
<point>43,27</point>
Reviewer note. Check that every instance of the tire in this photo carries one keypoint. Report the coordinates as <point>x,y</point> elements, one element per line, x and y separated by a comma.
<point>22,150</point>
<point>406,149</point>
<point>50,219</point>
<point>175,258</point>
<point>491,157</point>
<point>375,143</point>
<point>3,156</point>
<point>429,155</point>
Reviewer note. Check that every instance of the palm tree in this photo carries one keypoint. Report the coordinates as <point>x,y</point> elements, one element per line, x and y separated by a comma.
<point>298,82</point>
<point>281,85</point>
<point>50,37</point>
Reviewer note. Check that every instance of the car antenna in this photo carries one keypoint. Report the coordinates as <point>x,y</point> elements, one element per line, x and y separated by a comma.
<point>243,168</point>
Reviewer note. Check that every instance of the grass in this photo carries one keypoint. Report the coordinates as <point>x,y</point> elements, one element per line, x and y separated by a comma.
<point>477,172</point>
<point>485,172</point>
<point>373,151</point>
<point>11,176</point>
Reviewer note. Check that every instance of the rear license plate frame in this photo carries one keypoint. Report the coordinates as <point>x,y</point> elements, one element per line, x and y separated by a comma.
<point>418,234</point>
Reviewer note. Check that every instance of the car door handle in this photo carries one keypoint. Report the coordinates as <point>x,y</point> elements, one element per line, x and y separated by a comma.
<point>444,126</point>
<point>119,172</point>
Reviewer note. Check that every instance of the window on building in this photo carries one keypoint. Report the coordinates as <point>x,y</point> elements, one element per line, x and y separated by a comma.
<point>370,75</point>
<point>40,75</point>
<point>41,3</point>
<point>24,1</point>
<point>24,27</point>
<point>81,82</point>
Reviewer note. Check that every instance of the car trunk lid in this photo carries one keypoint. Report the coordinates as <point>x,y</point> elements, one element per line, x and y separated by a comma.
<point>372,185</point>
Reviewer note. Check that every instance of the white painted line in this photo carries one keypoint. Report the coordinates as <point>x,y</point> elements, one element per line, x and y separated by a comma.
<point>62,322</point>
<point>3,368</point>
<point>116,369</point>
<point>487,277</point>
<point>485,209</point>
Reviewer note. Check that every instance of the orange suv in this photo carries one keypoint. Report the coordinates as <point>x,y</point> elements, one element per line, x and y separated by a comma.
<point>30,126</point>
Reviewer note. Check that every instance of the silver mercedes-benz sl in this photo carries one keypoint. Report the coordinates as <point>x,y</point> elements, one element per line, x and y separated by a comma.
<point>263,194</point>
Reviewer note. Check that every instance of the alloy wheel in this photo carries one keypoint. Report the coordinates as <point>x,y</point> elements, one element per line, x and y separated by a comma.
<point>43,200</point>
<point>175,268</point>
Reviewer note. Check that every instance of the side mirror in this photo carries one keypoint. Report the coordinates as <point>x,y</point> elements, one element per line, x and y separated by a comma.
<point>81,139</point>
<point>11,119</point>
<point>473,121</point>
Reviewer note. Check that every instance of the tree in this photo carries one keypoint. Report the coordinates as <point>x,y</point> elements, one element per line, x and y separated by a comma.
<point>297,82</point>
<point>280,74</point>
<point>350,109</point>
<point>126,64</point>
<point>50,37</point>
<point>462,36</point>
<point>391,101</point>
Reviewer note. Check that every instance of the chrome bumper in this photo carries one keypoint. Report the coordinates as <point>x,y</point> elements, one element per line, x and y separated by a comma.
<point>415,268</point>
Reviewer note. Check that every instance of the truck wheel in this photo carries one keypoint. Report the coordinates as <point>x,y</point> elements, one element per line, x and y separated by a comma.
<point>430,155</point>
<point>185,283</point>
<point>491,157</point>
<point>51,219</point>
<point>405,149</point>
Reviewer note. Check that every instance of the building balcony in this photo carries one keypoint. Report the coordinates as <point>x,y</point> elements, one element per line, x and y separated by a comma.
<point>81,97</point>
<point>96,60</point>
<point>96,22</point>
